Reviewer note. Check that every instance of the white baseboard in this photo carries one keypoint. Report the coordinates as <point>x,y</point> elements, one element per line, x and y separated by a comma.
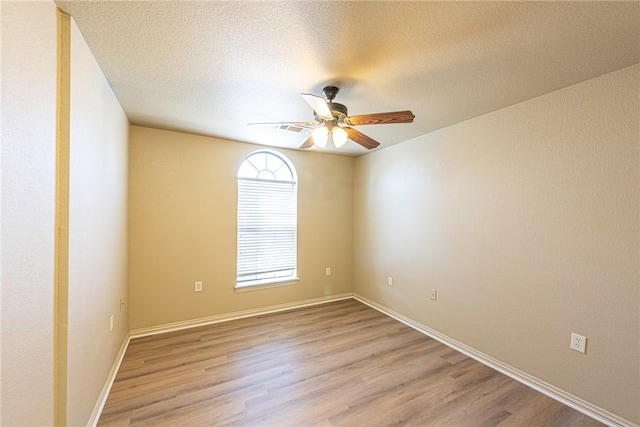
<point>553,392</point>
<point>142,332</point>
<point>102,399</point>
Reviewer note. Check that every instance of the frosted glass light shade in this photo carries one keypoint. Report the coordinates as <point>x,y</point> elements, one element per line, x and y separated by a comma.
<point>339,136</point>
<point>320,136</point>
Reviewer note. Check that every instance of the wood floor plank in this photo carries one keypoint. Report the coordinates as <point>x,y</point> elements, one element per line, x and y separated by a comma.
<point>335,364</point>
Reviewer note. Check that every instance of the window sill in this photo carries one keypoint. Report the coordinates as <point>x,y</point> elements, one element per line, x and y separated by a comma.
<point>256,285</point>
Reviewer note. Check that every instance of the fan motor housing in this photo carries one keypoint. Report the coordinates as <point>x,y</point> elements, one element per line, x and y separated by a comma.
<point>338,111</point>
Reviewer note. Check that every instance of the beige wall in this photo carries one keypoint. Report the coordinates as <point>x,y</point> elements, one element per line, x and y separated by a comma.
<point>28,214</point>
<point>182,216</point>
<point>31,261</point>
<point>97,231</point>
<point>525,220</point>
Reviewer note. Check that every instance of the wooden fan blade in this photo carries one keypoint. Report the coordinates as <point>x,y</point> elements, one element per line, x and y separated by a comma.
<point>380,118</point>
<point>308,143</point>
<point>361,138</point>
<point>275,124</point>
<point>319,105</point>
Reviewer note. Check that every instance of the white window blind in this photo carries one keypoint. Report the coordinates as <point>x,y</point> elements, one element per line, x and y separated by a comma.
<point>267,221</point>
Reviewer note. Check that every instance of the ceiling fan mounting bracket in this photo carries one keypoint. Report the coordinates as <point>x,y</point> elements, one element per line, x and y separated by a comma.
<point>330,92</point>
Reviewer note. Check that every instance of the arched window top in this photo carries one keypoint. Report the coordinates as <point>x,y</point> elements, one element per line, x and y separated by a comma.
<point>267,165</point>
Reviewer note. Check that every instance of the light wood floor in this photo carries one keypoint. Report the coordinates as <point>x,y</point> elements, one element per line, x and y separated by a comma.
<point>336,364</point>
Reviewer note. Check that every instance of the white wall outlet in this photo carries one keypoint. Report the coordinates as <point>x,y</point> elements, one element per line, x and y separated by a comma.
<point>122,303</point>
<point>198,286</point>
<point>327,271</point>
<point>578,343</point>
<point>111,323</point>
<point>433,295</point>
<point>390,281</point>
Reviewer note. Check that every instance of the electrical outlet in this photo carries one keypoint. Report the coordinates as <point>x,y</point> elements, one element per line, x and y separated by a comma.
<point>327,271</point>
<point>578,343</point>
<point>198,286</point>
<point>434,294</point>
<point>390,281</point>
<point>111,323</point>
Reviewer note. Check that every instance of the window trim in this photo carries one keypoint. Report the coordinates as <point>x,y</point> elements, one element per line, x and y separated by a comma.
<point>258,284</point>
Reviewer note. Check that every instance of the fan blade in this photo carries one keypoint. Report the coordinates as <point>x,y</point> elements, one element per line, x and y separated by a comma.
<point>276,124</point>
<point>308,143</point>
<point>361,138</point>
<point>319,105</point>
<point>297,127</point>
<point>380,118</point>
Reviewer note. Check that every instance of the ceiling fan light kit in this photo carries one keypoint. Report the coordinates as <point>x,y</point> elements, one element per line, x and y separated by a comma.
<point>330,115</point>
<point>339,136</point>
<point>320,136</point>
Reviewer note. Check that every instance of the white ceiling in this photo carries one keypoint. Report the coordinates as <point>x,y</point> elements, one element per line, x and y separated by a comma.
<point>211,67</point>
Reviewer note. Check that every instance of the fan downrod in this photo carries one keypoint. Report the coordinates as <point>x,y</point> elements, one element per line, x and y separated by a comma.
<point>330,92</point>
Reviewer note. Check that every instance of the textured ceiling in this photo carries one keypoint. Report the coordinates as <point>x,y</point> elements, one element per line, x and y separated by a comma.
<point>211,67</point>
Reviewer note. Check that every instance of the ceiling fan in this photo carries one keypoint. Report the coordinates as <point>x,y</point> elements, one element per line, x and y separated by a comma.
<point>331,119</point>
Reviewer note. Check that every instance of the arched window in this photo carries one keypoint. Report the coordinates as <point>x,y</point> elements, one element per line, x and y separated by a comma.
<point>267,220</point>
